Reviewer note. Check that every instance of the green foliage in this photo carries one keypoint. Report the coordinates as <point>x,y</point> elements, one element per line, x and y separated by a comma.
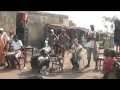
<point>109,19</point>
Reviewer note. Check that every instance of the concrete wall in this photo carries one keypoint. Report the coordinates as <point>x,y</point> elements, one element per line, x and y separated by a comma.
<point>36,24</point>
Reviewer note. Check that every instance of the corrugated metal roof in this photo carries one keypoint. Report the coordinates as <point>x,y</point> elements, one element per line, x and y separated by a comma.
<point>69,27</point>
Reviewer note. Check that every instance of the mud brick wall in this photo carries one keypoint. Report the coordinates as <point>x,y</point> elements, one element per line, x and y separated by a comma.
<point>36,25</point>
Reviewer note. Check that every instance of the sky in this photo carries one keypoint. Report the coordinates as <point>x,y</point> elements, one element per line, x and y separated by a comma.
<point>86,18</point>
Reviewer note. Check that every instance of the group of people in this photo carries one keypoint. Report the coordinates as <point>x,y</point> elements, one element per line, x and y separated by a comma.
<point>9,43</point>
<point>57,44</point>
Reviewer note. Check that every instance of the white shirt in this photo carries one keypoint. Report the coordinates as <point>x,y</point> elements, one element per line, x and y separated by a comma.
<point>76,48</point>
<point>17,45</point>
<point>91,42</point>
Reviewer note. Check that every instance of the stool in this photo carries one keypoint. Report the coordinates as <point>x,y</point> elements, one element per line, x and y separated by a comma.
<point>57,62</point>
<point>100,59</point>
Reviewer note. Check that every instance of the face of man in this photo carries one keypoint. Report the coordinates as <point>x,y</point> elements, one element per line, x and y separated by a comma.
<point>63,32</point>
<point>92,27</point>
<point>51,32</point>
<point>75,41</point>
<point>15,38</point>
<point>1,32</point>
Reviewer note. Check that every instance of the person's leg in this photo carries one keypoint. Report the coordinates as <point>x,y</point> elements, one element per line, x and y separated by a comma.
<point>8,65</point>
<point>105,76</point>
<point>95,55</point>
<point>71,59</point>
<point>89,51</point>
<point>17,55</point>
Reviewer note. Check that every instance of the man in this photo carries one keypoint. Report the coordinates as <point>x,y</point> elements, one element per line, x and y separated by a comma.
<point>17,47</point>
<point>11,36</point>
<point>76,54</point>
<point>58,50</point>
<point>4,45</point>
<point>64,39</point>
<point>51,37</point>
<point>91,45</point>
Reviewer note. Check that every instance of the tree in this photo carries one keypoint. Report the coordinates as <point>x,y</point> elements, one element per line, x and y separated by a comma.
<point>71,23</point>
<point>107,20</point>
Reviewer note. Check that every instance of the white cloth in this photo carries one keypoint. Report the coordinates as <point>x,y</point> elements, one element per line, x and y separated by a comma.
<point>90,44</point>
<point>76,48</point>
<point>17,45</point>
<point>18,54</point>
<point>47,49</point>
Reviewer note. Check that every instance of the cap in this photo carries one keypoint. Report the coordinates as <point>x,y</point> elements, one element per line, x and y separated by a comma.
<point>1,29</point>
<point>52,30</point>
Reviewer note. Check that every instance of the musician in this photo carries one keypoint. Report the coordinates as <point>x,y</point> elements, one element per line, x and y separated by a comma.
<point>11,36</point>
<point>92,37</point>
<point>76,54</point>
<point>51,37</point>
<point>43,61</point>
<point>17,47</point>
<point>64,39</point>
<point>4,45</point>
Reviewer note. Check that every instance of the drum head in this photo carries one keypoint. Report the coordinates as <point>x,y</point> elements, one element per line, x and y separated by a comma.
<point>10,53</point>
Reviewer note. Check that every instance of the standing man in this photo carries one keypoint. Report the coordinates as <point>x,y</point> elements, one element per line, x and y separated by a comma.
<point>51,38</point>
<point>91,45</point>
<point>64,39</point>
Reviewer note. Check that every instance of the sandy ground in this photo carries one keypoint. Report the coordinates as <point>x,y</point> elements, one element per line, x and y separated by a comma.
<point>88,73</point>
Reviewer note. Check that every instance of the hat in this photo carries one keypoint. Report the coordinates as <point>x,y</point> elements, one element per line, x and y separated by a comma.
<point>1,29</point>
<point>52,30</point>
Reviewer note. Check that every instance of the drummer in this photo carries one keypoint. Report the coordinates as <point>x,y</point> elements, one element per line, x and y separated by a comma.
<point>17,47</point>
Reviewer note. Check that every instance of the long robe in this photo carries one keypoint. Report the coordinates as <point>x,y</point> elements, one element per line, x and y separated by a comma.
<point>3,51</point>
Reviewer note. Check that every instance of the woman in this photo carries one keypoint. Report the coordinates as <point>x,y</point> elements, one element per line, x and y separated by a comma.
<point>4,46</point>
<point>106,42</point>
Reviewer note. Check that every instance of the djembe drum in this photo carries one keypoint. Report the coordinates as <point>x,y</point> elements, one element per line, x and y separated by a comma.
<point>10,58</point>
<point>34,63</point>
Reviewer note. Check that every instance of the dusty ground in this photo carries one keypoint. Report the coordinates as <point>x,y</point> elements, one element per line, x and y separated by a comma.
<point>88,73</point>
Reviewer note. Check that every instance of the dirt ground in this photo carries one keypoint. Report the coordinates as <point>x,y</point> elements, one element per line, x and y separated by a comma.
<point>87,73</point>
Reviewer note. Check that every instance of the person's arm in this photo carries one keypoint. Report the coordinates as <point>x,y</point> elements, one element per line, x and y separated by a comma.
<point>97,36</point>
<point>21,44</point>
<point>80,49</point>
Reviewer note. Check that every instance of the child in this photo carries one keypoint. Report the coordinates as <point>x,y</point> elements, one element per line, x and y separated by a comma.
<point>17,47</point>
<point>108,63</point>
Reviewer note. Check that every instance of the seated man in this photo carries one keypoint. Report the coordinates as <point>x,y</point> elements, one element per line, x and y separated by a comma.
<point>17,47</point>
<point>43,60</point>
<point>76,54</point>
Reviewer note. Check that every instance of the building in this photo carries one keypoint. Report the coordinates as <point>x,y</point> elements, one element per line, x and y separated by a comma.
<point>36,25</point>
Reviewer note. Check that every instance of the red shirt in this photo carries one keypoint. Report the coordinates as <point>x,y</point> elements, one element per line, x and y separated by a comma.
<point>108,65</point>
